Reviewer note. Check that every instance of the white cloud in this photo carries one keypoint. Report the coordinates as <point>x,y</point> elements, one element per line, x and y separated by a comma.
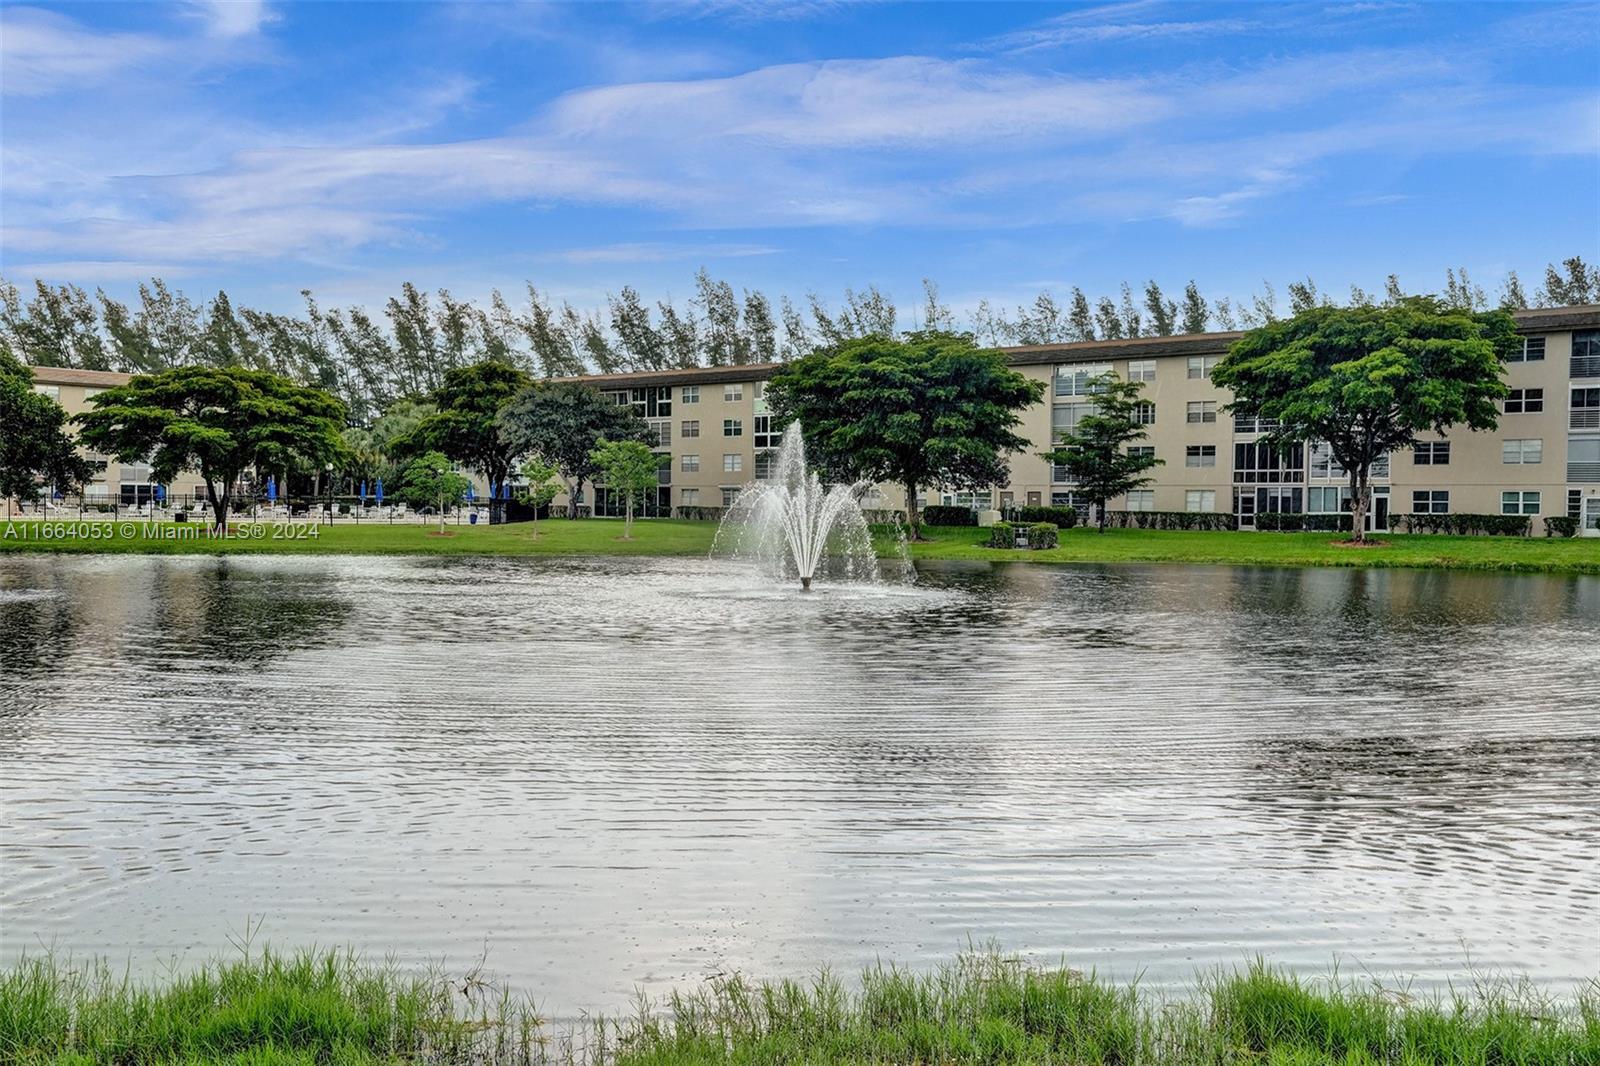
<point>41,52</point>
<point>232,18</point>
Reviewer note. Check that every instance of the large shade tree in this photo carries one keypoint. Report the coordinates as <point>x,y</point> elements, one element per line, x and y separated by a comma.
<point>563,422</point>
<point>931,410</point>
<point>1367,380</point>
<point>35,447</point>
<point>464,425</point>
<point>1097,454</point>
<point>219,421</point>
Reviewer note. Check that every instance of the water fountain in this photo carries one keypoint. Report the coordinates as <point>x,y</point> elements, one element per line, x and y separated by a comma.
<point>791,525</point>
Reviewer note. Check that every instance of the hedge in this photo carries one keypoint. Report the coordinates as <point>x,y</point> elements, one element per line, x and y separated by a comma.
<point>698,514</point>
<point>1560,526</point>
<point>1207,520</point>
<point>1039,535</point>
<point>1002,535</point>
<point>1060,517</point>
<point>1293,522</point>
<point>1466,525</point>
<point>1042,535</point>
<point>940,515</point>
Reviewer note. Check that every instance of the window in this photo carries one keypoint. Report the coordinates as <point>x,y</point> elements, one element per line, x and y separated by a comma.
<point>729,496</point>
<point>663,431</point>
<point>1142,370</point>
<point>733,393</point>
<point>1586,408</point>
<point>1519,503</point>
<point>1522,452</point>
<point>1202,411</point>
<point>1200,455</point>
<point>732,427</point>
<point>1574,503</point>
<point>1200,500</point>
<point>732,463</point>
<point>1524,401</point>
<point>1257,461</point>
<point>766,465</point>
<point>691,428</point>
<point>689,463</point>
<point>1583,459</point>
<point>688,497</point>
<point>765,435</point>
<point>1253,424</point>
<point>1323,464</point>
<point>1532,351</point>
<point>1586,353</point>
<point>1200,365</point>
<point>1142,451</point>
<point>52,391</point>
<point>1064,417</point>
<point>1430,501</point>
<point>1060,476</point>
<point>1144,413</point>
<point>689,394</point>
<point>1431,453</point>
<point>1142,500</point>
<point>1327,499</point>
<point>1075,380</point>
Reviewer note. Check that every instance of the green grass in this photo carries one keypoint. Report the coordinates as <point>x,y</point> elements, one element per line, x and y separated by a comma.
<point>673,537</point>
<point>269,1009</point>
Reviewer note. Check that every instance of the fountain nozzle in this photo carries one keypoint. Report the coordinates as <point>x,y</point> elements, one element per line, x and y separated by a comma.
<point>805,584</point>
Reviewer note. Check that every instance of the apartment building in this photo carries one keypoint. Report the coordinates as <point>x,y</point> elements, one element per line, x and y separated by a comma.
<point>715,435</point>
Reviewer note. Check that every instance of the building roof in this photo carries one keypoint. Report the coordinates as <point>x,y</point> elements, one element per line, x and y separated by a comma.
<point>1529,320</point>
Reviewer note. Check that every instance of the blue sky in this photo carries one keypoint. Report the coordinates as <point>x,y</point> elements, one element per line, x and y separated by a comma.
<point>998,148</point>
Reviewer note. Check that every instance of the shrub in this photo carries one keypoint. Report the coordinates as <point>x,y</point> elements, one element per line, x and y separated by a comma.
<point>1061,517</point>
<point>882,517</point>
<point>1042,535</point>
<point>1292,522</point>
<point>1467,525</point>
<point>1560,526</point>
<point>1002,535</point>
<point>698,514</point>
<point>1205,520</point>
<point>938,515</point>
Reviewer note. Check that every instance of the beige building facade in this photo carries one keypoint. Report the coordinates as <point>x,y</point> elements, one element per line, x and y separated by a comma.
<point>715,436</point>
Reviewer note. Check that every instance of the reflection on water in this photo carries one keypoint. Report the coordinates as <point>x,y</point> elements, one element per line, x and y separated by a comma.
<point>630,772</point>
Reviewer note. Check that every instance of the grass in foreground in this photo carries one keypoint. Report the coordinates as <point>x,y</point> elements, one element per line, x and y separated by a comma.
<point>672,537</point>
<point>269,1009</point>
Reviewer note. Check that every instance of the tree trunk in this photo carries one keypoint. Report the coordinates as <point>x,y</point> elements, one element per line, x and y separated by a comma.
<point>627,521</point>
<point>441,513</point>
<point>913,514</point>
<point>219,506</point>
<point>573,488</point>
<point>1359,488</point>
<point>1100,513</point>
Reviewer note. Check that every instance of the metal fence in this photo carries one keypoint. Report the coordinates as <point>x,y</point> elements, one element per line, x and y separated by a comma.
<point>183,507</point>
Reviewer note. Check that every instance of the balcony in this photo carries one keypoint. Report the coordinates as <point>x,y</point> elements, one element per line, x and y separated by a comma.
<point>1586,366</point>
<point>1585,418</point>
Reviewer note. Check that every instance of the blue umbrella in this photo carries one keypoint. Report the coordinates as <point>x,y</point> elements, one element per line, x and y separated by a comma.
<point>272,489</point>
<point>379,490</point>
<point>470,494</point>
<point>161,494</point>
<point>363,491</point>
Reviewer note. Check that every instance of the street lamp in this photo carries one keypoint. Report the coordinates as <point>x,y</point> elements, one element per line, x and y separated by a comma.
<point>327,469</point>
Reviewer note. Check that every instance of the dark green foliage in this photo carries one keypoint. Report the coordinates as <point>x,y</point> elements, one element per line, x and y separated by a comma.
<point>1042,535</point>
<point>1467,525</point>
<point>35,449</point>
<point>1002,535</point>
<point>562,422</point>
<point>465,423</point>
<point>1290,522</point>
<point>1560,526</point>
<point>1061,517</point>
<point>940,515</point>
<point>1096,453</point>
<point>219,421</point>
<point>1201,520</point>
<point>698,514</point>
<point>929,410</point>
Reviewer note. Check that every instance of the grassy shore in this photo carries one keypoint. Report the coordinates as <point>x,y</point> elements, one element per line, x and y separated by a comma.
<point>680,538</point>
<point>267,1009</point>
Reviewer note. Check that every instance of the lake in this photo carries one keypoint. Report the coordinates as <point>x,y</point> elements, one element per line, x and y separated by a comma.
<point>612,774</point>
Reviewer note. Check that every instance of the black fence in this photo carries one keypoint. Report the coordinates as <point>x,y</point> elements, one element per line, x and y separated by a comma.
<point>184,507</point>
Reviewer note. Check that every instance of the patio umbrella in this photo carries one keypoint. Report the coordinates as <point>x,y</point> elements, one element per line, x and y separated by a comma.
<point>272,489</point>
<point>470,494</point>
<point>363,491</point>
<point>379,491</point>
<point>161,494</point>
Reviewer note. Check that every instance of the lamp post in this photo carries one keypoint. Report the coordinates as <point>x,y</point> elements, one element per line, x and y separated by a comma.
<point>327,470</point>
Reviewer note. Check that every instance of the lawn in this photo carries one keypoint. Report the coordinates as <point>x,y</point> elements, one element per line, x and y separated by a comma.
<point>310,1008</point>
<point>682,538</point>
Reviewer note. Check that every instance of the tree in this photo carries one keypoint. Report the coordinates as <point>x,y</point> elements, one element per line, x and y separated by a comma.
<point>221,421</point>
<point>630,468</point>
<point>34,443</point>
<point>1080,321</point>
<point>1129,313</point>
<point>1105,316</point>
<point>1579,285</point>
<point>1512,298</point>
<point>465,426</point>
<point>1163,312</point>
<point>1195,313</point>
<point>1367,380</point>
<point>56,328</point>
<point>542,486</point>
<point>1096,455</point>
<point>563,422</point>
<point>932,409</point>
<point>429,480</point>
